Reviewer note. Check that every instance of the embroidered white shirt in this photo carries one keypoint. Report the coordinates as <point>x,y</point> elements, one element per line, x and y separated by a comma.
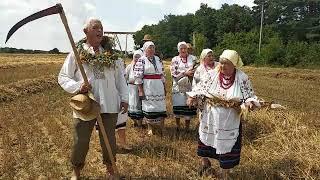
<point>106,89</point>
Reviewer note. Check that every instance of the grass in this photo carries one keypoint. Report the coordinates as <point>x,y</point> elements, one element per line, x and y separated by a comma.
<point>36,132</point>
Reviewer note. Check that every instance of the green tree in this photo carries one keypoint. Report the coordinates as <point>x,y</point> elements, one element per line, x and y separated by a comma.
<point>232,19</point>
<point>54,51</point>
<point>200,43</point>
<point>205,22</point>
<point>295,19</point>
<point>167,33</point>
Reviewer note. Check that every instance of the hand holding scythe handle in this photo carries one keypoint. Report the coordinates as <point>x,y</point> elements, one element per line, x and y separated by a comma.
<point>84,76</point>
<point>55,10</point>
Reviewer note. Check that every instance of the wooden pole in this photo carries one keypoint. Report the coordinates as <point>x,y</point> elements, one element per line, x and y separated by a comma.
<point>194,40</point>
<point>261,23</point>
<point>126,54</point>
<point>119,44</point>
<point>84,76</point>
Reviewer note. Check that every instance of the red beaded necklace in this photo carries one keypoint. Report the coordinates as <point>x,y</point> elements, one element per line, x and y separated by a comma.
<point>225,81</point>
<point>184,60</point>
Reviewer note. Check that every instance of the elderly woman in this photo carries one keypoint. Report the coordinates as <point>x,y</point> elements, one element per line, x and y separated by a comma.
<point>224,93</point>
<point>134,111</point>
<point>182,71</point>
<point>207,65</point>
<point>149,76</point>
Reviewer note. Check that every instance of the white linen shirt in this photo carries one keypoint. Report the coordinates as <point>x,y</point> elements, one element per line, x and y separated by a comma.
<point>106,90</point>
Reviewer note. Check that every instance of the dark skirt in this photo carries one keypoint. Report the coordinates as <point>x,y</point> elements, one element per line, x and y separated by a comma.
<point>121,126</point>
<point>154,115</point>
<point>184,111</point>
<point>228,160</point>
<point>135,115</point>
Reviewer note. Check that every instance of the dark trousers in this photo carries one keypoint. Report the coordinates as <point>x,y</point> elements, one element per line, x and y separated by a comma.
<point>82,135</point>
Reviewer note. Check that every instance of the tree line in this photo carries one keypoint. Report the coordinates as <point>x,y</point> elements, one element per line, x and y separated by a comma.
<point>290,36</point>
<point>28,51</point>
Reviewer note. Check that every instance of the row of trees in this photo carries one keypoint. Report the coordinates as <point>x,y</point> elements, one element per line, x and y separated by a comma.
<point>291,32</point>
<point>28,51</point>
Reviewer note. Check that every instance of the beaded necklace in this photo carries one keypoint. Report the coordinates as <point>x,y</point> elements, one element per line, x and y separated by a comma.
<point>226,81</point>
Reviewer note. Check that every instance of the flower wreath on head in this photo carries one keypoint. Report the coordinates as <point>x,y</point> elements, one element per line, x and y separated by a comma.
<point>105,59</point>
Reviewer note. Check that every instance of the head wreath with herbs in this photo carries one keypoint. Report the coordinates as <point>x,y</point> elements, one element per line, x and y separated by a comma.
<point>105,59</point>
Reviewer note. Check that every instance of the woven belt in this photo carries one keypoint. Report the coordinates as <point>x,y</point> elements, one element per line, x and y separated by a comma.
<point>152,76</point>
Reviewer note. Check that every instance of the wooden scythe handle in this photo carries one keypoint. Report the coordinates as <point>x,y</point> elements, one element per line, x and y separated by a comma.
<point>73,45</point>
<point>84,76</point>
<point>107,143</point>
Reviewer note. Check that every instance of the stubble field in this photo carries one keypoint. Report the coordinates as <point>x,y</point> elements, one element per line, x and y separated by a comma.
<point>36,129</point>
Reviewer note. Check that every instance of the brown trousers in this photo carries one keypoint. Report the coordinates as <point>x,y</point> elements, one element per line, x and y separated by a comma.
<point>82,135</point>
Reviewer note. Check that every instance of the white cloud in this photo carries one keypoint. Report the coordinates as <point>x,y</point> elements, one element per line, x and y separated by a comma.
<point>248,3</point>
<point>89,7</point>
<point>191,6</point>
<point>154,2</point>
<point>45,33</point>
<point>145,21</point>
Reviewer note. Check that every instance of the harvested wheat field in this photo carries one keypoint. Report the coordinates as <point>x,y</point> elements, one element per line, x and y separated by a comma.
<point>36,129</point>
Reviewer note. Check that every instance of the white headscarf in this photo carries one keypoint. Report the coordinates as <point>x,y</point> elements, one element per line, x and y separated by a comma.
<point>180,44</point>
<point>136,52</point>
<point>146,46</point>
<point>232,56</point>
<point>204,53</point>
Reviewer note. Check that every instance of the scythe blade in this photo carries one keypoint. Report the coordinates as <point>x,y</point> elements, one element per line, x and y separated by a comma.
<point>46,12</point>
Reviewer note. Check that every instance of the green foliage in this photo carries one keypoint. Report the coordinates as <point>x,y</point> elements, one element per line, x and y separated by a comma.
<point>309,56</point>
<point>295,52</point>
<point>273,52</point>
<point>205,22</point>
<point>200,41</point>
<point>28,51</point>
<point>246,45</point>
<point>291,32</point>
<point>232,19</point>
<point>209,25</point>
<point>297,20</point>
<point>54,51</point>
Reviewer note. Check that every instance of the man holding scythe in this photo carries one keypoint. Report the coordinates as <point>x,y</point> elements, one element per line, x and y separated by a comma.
<point>107,82</point>
<point>96,76</point>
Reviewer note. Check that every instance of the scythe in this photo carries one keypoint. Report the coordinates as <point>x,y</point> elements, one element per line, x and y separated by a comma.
<point>58,9</point>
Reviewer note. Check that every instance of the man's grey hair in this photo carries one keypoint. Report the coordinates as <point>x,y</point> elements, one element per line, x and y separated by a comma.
<point>89,21</point>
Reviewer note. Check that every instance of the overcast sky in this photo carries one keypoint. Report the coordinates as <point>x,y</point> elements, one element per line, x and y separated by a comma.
<point>116,15</point>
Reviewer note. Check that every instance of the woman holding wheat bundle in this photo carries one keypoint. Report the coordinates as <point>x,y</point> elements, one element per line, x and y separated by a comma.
<point>224,94</point>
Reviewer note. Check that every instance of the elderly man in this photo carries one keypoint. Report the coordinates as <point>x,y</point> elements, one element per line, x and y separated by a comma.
<point>106,82</point>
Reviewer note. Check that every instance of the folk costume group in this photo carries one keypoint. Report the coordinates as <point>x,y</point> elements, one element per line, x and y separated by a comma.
<point>217,91</point>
